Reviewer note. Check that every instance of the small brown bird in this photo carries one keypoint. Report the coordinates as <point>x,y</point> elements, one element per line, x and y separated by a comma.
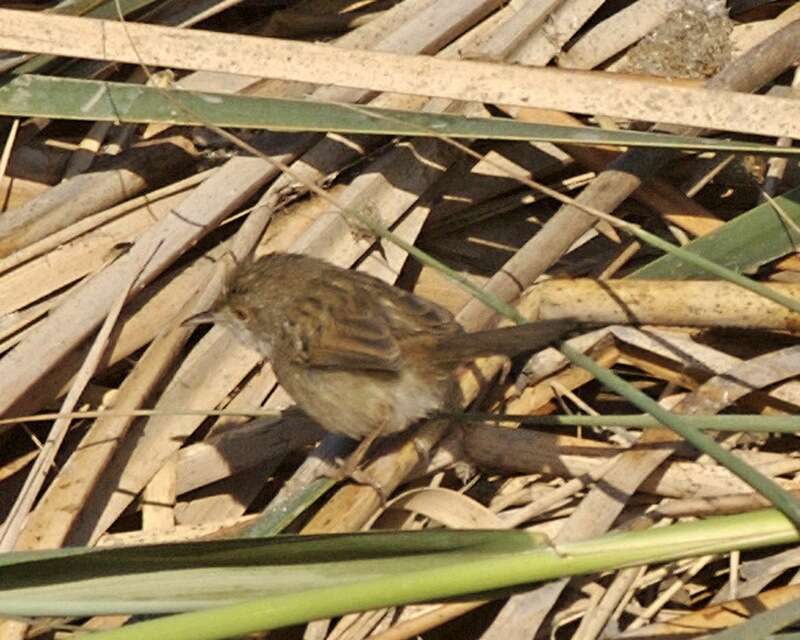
<point>361,357</point>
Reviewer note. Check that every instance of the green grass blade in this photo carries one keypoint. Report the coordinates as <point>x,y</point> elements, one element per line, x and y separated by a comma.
<point>302,578</point>
<point>275,520</point>
<point>744,244</point>
<point>753,423</point>
<point>70,98</point>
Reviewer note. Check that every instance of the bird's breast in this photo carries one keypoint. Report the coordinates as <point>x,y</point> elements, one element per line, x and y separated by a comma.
<point>357,402</point>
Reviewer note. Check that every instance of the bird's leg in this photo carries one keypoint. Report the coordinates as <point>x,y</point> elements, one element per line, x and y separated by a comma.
<point>349,467</point>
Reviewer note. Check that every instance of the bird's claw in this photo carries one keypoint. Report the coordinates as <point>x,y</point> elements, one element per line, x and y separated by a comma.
<point>344,471</point>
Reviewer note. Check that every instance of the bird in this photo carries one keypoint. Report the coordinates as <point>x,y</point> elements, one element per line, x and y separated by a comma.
<point>361,357</point>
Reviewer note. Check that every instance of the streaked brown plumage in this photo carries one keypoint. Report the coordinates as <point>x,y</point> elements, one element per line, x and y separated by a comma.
<point>361,357</point>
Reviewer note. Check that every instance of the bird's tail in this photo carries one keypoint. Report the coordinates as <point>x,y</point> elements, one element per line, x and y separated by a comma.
<point>508,341</point>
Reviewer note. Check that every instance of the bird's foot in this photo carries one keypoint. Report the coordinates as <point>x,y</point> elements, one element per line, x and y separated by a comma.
<point>347,471</point>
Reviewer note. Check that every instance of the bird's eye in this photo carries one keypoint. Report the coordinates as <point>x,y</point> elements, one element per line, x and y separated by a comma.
<point>240,314</point>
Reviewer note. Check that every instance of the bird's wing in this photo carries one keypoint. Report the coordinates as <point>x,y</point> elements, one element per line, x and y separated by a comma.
<point>344,328</point>
<point>410,316</point>
<point>362,323</point>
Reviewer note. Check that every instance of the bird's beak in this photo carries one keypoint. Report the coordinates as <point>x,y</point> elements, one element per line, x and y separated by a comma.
<point>206,317</point>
